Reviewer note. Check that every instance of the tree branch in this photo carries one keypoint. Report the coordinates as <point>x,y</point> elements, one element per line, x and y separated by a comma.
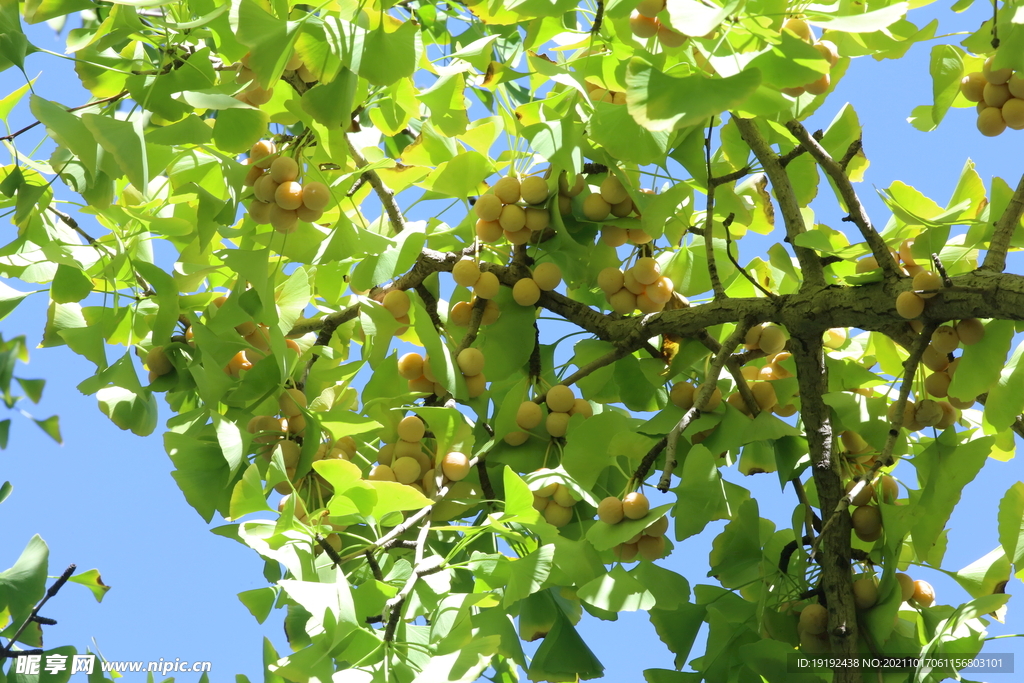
<point>853,204</point>
<point>995,258</point>
<point>709,220</point>
<point>699,401</point>
<point>837,584</point>
<point>810,265</point>
<point>386,196</point>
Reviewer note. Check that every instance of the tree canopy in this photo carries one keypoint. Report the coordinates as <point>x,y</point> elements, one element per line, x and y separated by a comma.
<point>448,307</point>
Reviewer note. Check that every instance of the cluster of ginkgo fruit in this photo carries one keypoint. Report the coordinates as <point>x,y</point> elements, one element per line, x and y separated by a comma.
<point>600,94</point>
<point>641,286</point>
<point>562,404</point>
<point>801,29</point>
<point>256,95</point>
<point>812,626</point>
<point>499,212</point>
<point>282,430</point>
<point>555,501</point>
<point>644,23</point>
<point>650,542</point>
<point>416,369</point>
<point>1000,97</point>
<point>404,461</point>
<point>485,285</point>
<point>257,335</point>
<point>546,276</point>
<point>279,199</point>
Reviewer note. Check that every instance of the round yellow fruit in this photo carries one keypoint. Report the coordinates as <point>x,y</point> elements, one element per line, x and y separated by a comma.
<point>487,207</point>
<point>466,272</point>
<point>525,292</point>
<point>970,331</point>
<point>534,190</point>
<point>867,523</point>
<point>529,415</point>
<point>906,586</point>
<point>682,395</point>
<point>487,285</point>
<point>557,424</point>
<point>470,361</point>
<point>865,593</point>
<point>595,208</point>
<point>990,122</point>
<point>508,190</point>
<point>610,510</point>
<point>291,402</point>
<point>635,505</point>
<point>813,619</point>
<point>924,594</point>
<point>651,547</point>
<point>909,305</point>
<point>547,275</point>
<point>560,399</point>
<point>455,466</point>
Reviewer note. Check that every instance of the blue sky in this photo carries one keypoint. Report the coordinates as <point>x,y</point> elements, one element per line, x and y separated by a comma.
<point>105,498</point>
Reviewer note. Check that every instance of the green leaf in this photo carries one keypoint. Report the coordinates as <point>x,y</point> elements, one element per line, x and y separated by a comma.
<point>736,552</point>
<point>981,364</point>
<point>529,574</point>
<point>564,656</point>
<point>129,410</point>
<point>693,18</point>
<point>166,299</point>
<point>237,130</point>
<point>944,468</point>
<point>37,11</point>
<point>124,141</point>
<point>1006,397</point>
<point>461,177</point>
<point>388,57</point>
<point>51,426</point>
<point>247,495</point>
<point>69,130</point>
<point>586,453</point>
<point>328,603</point>
<point>616,591</point>
<point>700,496</point>
<point>33,388</point>
<point>24,584</point>
<point>1011,524</point>
<point>9,299</point>
<point>92,580</point>
<point>70,285</point>
<point>259,602</point>
<point>661,102</point>
<point>330,104</point>
<point>866,22</point>
<point>447,102</point>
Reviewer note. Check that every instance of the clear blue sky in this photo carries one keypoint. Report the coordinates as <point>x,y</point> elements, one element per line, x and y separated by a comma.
<point>105,499</point>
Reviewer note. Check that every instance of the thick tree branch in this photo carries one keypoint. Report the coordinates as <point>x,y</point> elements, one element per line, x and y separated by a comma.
<point>853,204</point>
<point>812,375</point>
<point>995,258</point>
<point>810,265</point>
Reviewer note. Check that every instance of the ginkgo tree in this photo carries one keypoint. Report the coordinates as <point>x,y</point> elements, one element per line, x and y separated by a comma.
<point>331,240</point>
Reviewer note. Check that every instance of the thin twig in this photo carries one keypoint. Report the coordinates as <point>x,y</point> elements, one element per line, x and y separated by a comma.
<point>386,196</point>
<point>597,364</point>
<point>699,401</point>
<point>728,252</point>
<point>709,221</point>
<point>105,100</point>
<point>858,214</point>
<point>50,592</point>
